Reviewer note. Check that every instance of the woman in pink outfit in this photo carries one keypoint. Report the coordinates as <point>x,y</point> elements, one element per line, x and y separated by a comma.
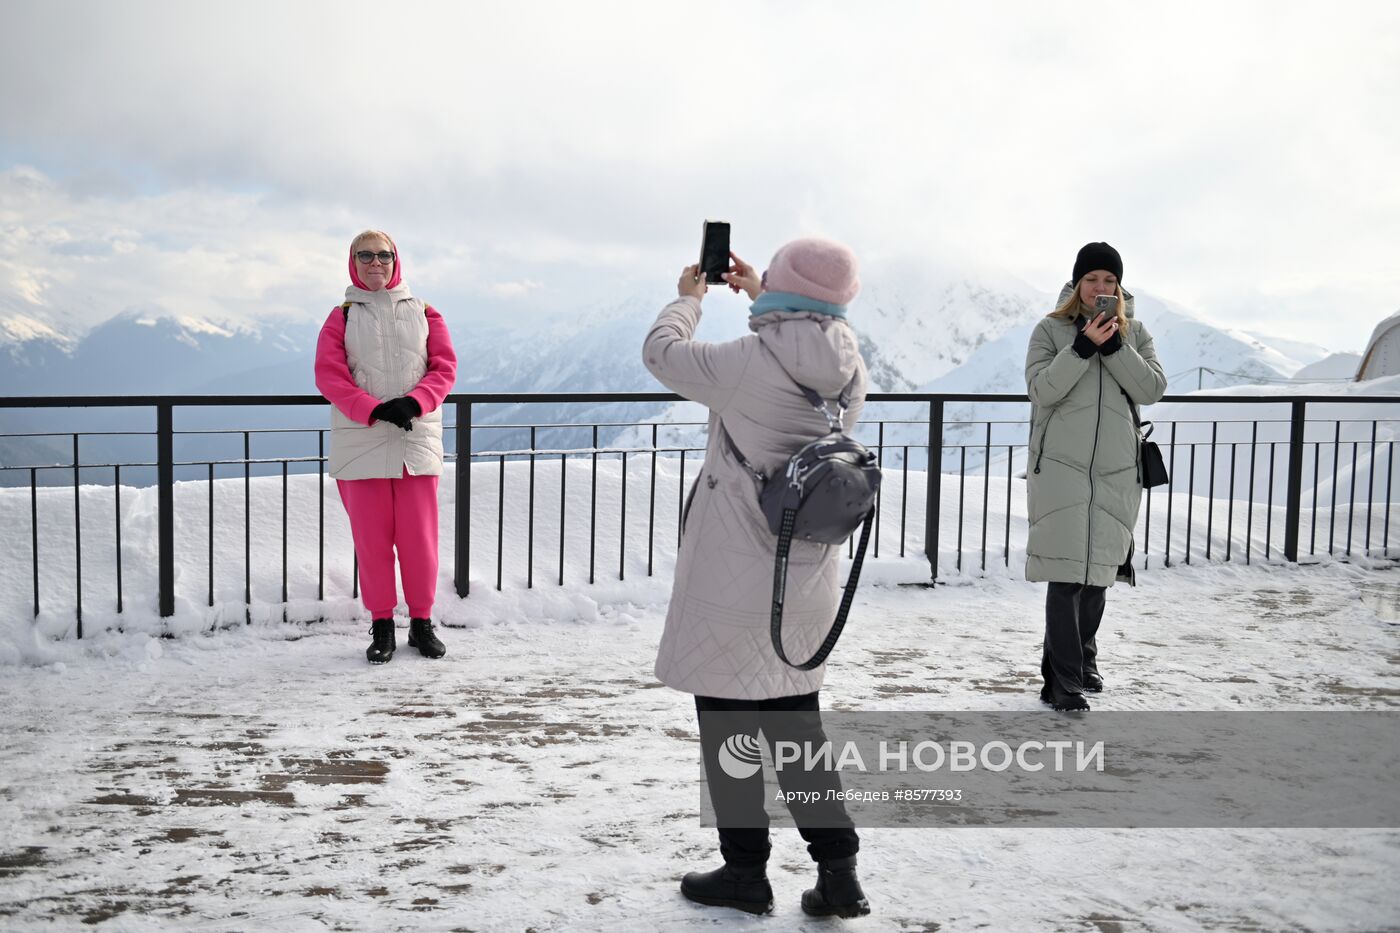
<point>385,362</point>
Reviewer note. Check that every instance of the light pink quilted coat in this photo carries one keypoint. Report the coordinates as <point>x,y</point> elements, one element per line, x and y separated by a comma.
<point>716,641</point>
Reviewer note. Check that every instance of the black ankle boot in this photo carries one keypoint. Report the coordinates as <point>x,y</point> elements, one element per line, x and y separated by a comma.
<point>744,887</point>
<point>381,649</point>
<point>1071,703</point>
<point>837,893</point>
<point>420,636</point>
<point>1093,682</point>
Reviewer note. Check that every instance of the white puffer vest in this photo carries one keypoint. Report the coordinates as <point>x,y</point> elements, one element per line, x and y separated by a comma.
<point>386,348</point>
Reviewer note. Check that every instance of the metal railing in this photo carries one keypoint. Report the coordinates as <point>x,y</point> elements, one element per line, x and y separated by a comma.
<point>895,441</point>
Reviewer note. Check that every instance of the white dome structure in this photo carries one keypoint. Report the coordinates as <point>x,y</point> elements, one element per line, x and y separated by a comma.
<point>1382,354</point>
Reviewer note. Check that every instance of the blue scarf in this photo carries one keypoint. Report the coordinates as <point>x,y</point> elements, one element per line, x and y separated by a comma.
<point>790,301</point>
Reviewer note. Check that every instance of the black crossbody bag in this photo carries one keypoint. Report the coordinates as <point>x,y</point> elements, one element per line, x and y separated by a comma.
<point>827,490</point>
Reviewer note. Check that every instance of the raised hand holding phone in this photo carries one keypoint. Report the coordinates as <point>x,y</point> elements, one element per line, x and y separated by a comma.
<point>1105,322</point>
<point>714,251</point>
<point>691,284</point>
<point>743,277</point>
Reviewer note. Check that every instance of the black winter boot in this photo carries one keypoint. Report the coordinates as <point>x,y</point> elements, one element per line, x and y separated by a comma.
<point>1072,703</point>
<point>744,887</point>
<point>420,636</point>
<point>837,893</point>
<point>381,649</point>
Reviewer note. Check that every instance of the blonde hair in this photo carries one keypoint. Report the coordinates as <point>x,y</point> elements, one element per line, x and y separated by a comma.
<point>371,235</point>
<point>1070,308</point>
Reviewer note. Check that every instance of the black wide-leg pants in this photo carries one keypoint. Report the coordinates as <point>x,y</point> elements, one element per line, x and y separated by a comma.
<point>1073,612</point>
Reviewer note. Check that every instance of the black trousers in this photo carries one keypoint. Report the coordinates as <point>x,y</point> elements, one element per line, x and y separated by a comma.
<point>1073,612</point>
<point>739,810</point>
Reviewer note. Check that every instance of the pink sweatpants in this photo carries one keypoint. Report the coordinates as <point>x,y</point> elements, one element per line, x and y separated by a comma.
<point>394,513</point>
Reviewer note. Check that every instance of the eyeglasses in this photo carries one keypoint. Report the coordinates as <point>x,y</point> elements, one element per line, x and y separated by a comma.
<point>366,257</point>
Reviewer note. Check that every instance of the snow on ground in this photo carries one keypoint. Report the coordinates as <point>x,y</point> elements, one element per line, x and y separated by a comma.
<point>538,777</point>
<point>237,777</point>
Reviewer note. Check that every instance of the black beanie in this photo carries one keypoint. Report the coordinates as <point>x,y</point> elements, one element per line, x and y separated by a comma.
<point>1097,256</point>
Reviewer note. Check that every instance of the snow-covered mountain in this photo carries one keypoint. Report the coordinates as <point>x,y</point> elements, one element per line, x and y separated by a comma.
<point>16,330</point>
<point>920,330</point>
<point>922,324</point>
<point>1184,344</point>
<point>968,336</point>
<point>32,351</point>
<point>137,351</point>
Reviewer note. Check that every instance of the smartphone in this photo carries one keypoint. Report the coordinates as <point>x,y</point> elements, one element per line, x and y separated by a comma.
<point>1106,304</point>
<point>714,251</point>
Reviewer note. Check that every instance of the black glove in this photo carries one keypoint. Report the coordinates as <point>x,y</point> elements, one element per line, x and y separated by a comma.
<point>1111,345</point>
<point>399,411</point>
<point>1084,346</point>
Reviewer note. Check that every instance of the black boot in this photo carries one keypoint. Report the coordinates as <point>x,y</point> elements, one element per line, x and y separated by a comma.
<point>1093,682</point>
<point>837,892</point>
<point>744,887</point>
<point>381,649</point>
<point>1072,703</point>
<point>420,636</point>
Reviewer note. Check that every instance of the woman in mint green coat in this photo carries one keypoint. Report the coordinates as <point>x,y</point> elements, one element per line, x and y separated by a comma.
<point>1084,372</point>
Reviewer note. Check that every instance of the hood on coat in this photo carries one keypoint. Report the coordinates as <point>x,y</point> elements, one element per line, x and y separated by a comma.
<point>357,295</point>
<point>817,350</point>
<point>1127,298</point>
<point>394,279</point>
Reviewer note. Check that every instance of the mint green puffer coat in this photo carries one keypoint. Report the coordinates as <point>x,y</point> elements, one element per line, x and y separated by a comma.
<point>1082,480</point>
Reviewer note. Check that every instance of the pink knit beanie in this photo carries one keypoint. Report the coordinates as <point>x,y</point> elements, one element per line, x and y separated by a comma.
<point>820,269</point>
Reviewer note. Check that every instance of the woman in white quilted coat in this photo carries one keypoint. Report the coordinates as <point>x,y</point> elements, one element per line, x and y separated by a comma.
<point>385,362</point>
<point>716,643</point>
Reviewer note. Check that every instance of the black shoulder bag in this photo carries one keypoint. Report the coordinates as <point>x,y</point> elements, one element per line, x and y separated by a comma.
<point>826,491</point>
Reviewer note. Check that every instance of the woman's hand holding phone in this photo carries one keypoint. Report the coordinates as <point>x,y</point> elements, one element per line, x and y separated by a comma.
<point>691,284</point>
<point>743,277</point>
<point>1101,328</point>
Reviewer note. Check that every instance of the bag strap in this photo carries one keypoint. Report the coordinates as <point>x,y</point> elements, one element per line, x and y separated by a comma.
<point>1137,419</point>
<point>345,308</point>
<point>780,563</point>
<point>739,455</point>
<point>836,421</point>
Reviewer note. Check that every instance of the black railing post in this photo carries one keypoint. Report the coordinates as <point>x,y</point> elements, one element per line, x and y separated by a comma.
<point>77,539</point>
<point>530,518</point>
<point>935,484</point>
<point>165,506</point>
<point>651,507</point>
<point>462,503</point>
<point>117,494</point>
<point>1295,482</point>
<point>320,515</point>
<point>211,537</point>
<point>248,528</point>
<point>34,533</point>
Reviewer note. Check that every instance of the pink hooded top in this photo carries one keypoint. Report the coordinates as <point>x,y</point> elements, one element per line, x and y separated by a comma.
<point>337,384</point>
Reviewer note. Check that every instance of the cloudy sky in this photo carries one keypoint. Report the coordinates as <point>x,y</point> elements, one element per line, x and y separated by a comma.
<point>534,159</point>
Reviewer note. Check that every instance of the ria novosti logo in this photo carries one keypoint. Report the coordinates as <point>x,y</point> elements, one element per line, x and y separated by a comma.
<point>740,756</point>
